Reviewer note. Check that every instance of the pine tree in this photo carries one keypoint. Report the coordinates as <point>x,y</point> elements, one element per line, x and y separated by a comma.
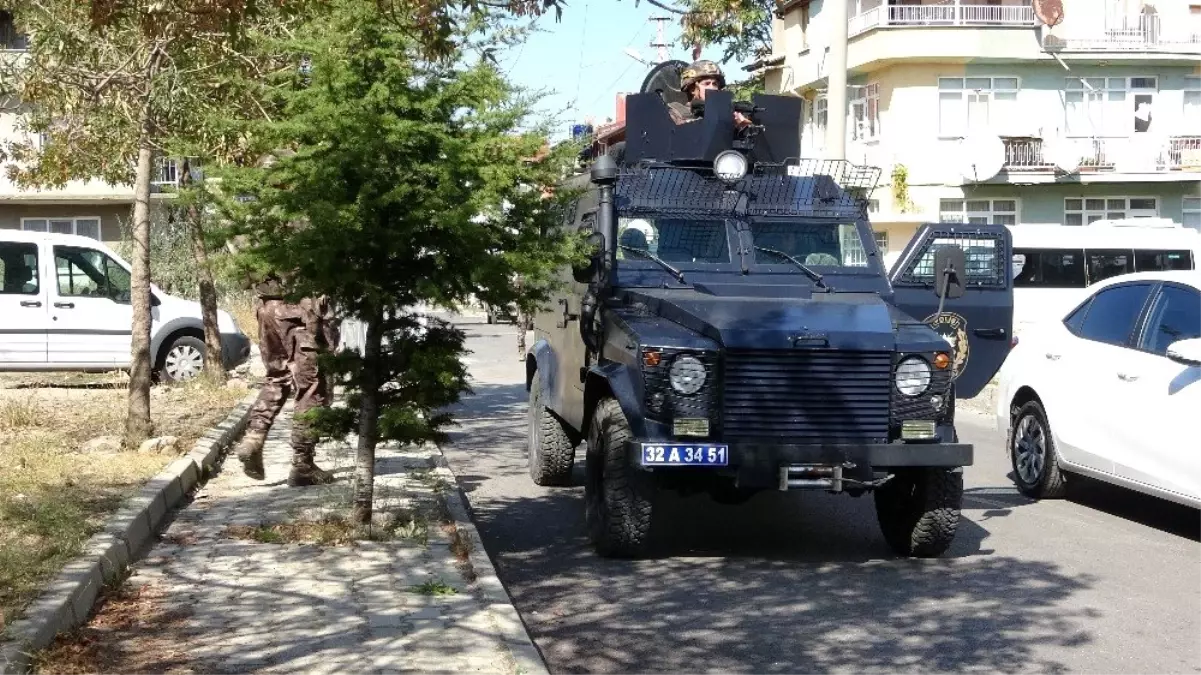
<point>403,183</point>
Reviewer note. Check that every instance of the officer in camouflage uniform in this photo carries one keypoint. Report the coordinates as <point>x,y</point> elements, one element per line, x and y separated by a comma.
<point>695,80</point>
<point>291,335</point>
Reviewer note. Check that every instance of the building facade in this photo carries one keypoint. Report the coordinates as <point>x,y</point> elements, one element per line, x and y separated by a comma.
<point>977,111</point>
<point>90,208</point>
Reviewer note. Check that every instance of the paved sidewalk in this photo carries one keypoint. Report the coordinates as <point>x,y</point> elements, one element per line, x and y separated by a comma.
<point>240,605</point>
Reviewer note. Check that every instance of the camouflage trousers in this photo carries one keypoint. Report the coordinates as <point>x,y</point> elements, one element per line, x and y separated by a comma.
<point>525,323</point>
<point>289,351</point>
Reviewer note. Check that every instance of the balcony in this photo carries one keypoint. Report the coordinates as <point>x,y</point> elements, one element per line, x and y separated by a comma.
<point>926,16</point>
<point>1108,155</point>
<point>1139,34</point>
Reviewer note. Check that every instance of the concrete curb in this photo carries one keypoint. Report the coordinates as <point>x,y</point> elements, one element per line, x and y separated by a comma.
<point>513,630</point>
<point>67,600</point>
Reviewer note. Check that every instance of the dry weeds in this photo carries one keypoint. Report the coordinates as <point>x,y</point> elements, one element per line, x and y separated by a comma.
<point>131,632</point>
<point>54,492</point>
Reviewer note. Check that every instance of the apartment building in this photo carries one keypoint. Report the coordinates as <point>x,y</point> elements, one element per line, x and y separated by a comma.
<point>90,208</point>
<point>977,111</point>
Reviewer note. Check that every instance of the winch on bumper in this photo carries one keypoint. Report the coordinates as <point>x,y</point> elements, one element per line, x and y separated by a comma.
<point>786,466</point>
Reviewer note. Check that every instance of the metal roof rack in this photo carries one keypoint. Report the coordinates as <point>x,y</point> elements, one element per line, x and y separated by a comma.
<point>796,187</point>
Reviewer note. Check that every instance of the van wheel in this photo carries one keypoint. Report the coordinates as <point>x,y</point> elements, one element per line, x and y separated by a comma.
<point>183,360</point>
<point>551,452</point>
<point>618,498</point>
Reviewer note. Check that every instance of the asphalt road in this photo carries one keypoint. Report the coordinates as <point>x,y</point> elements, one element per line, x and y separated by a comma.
<point>1105,581</point>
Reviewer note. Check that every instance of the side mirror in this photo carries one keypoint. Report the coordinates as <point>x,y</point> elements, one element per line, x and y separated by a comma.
<point>154,301</point>
<point>949,265</point>
<point>1187,352</point>
<point>595,247</point>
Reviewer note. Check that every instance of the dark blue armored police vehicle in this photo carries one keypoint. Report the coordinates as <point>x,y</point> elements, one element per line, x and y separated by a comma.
<point>736,331</point>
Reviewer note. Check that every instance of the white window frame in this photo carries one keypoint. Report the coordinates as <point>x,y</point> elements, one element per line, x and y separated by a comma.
<point>967,210</point>
<point>1192,104</point>
<point>1110,210</point>
<point>74,220</point>
<point>1104,105</point>
<point>864,112</point>
<point>819,118</point>
<point>1190,210</point>
<point>962,96</point>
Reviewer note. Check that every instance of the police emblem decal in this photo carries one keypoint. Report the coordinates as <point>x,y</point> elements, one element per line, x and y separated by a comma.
<point>953,328</point>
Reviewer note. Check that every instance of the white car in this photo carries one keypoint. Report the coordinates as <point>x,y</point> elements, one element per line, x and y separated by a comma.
<point>65,303</point>
<point>1111,390</point>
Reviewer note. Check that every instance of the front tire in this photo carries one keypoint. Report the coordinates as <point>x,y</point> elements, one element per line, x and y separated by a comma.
<point>183,360</point>
<point>619,499</point>
<point>1032,453</point>
<point>918,510</point>
<point>551,454</point>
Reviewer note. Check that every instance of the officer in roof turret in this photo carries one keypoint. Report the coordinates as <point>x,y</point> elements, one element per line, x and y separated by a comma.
<point>695,80</point>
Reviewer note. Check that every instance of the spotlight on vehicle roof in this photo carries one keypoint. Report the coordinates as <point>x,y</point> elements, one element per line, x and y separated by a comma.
<point>730,166</point>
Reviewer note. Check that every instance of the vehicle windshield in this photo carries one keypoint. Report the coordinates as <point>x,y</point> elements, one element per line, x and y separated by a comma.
<point>815,244</point>
<point>684,241</point>
<point>674,240</point>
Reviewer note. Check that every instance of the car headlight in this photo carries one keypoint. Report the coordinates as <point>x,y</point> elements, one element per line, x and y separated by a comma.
<point>730,165</point>
<point>687,375</point>
<point>913,376</point>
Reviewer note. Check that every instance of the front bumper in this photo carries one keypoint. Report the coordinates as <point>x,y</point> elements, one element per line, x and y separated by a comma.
<point>235,349</point>
<point>760,464</point>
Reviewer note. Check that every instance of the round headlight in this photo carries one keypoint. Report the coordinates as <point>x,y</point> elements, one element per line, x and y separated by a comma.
<point>687,375</point>
<point>913,376</point>
<point>730,165</point>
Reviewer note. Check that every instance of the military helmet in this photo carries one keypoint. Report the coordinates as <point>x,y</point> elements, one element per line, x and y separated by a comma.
<point>698,71</point>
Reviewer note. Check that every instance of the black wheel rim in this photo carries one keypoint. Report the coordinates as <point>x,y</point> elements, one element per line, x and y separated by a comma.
<point>1029,449</point>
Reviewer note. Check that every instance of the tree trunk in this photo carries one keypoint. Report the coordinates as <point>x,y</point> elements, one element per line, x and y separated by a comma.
<point>214,367</point>
<point>137,420</point>
<point>369,408</point>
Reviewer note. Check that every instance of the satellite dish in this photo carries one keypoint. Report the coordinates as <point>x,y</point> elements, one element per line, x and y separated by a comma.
<point>1050,12</point>
<point>664,80</point>
<point>982,157</point>
<point>1064,153</point>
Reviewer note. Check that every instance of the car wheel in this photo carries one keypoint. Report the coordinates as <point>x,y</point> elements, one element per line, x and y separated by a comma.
<point>551,454</point>
<point>618,498</point>
<point>184,359</point>
<point>918,510</point>
<point>1032,452</point>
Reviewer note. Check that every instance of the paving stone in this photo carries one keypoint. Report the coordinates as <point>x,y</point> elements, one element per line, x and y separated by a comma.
<point>304,608</point>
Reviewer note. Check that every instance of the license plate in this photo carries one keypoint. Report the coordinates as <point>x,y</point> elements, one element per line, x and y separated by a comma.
<point>656,454</point>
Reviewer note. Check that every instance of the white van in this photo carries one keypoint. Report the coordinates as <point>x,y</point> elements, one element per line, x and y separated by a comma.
<point>65,306</point>
<point>1052,264</point>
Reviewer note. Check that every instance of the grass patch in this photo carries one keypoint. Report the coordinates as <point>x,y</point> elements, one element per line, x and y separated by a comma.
<point>438,587</point>
<point>54,494</point>
<point>335,530</point>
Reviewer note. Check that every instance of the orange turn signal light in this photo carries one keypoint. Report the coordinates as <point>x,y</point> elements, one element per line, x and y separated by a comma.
<point>942,361</point>
<point>651,358</point>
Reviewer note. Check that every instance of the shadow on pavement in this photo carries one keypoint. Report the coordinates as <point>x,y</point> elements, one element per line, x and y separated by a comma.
<point>785,582</point>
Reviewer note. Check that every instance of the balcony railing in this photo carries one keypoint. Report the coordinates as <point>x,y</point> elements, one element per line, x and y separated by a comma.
<point>1138,34</point>
<point>915,16</point>
<point>1179,153</point>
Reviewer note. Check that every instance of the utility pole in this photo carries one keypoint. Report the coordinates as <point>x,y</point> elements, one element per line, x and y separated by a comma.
<point>660,42</point>
<point>836,96</point>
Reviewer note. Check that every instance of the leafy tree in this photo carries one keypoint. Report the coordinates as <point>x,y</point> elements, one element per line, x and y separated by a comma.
<point>403,182</point>
<point>110,84</point>
<point>742,28</point>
